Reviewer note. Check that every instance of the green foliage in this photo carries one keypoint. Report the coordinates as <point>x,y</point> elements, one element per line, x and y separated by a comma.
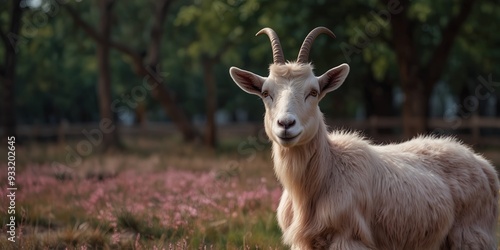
<point>57,67</point>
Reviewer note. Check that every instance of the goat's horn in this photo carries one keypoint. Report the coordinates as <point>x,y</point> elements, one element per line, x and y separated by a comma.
<point>306,45</point>
<point>278,57</point>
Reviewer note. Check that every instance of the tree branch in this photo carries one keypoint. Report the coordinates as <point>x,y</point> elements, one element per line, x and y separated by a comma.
<point>156,32</point>
<point>14,26</point>
<point>438,60</point>
<point>159,91</point>
<point>84,25</point>
<point>3,36</point>
<point>94,34</point>
<point>5,39</point>
<point>222,50</point>
<point>404,46</point>
<point>137,59</point>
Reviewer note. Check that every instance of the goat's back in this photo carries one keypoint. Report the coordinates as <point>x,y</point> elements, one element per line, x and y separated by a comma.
<point>425,187</point>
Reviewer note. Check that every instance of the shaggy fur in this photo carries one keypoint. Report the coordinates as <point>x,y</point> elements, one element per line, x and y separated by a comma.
<point>427,193</point>
<point>343,192</point>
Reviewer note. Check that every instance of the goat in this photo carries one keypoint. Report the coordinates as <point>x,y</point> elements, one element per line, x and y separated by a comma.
<point>343,192</point>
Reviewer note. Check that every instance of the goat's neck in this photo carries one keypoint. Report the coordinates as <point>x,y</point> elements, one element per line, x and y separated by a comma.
<point>298,168</point>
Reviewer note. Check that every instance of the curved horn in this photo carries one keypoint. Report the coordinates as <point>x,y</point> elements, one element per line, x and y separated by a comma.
<point>306,45</point>
<point>278,57</point>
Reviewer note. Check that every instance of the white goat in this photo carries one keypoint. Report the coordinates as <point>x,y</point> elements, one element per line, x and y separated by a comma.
<point>342,192</point>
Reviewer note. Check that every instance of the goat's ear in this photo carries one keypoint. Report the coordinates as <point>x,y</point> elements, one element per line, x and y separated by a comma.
<point>332,79</point>
<point>247,81</point>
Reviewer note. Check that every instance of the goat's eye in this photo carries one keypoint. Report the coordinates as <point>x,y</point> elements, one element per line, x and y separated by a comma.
<point>265,94</point>
<point>313,93</point>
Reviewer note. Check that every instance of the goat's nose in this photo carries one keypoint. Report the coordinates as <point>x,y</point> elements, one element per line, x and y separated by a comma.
<point>286,123</point>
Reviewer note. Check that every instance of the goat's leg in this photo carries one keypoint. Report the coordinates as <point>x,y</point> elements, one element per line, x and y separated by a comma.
<point>349,244</point>
<point>470,238</point>
<point>475,227</point>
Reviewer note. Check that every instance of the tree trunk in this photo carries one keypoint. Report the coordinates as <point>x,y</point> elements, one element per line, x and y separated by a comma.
<point>378,96</point>
<point>415,109</point>
<point>140,114</point>
<point>9,70</point>
<point>110,138</point>
<point>379,101</point>
<point>210,102</point>
<point>419,79</point>
<point>158,90</point>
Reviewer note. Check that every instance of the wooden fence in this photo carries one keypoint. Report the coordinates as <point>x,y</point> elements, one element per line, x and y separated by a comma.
<point>473,130</point>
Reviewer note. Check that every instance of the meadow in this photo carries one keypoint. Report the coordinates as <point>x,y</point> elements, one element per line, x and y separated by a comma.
<point>153,194</point>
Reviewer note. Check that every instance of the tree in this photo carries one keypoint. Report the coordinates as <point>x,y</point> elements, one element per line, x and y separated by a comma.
<point>10,39</point>
<point>216,31</point>
<point>419,76</point>
<point>413,39</point>
<point>104,84</point>
<point>197,41</point>
<point>147,69</point>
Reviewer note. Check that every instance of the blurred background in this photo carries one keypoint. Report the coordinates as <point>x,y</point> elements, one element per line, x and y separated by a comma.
<point>86,81</point>
<point>416,67</point>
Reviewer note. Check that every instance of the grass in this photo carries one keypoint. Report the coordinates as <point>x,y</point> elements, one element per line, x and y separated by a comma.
<point>152,195</point>
<point>155,194</point>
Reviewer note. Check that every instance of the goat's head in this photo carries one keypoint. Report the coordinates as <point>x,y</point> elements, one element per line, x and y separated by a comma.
<point>291,92</point>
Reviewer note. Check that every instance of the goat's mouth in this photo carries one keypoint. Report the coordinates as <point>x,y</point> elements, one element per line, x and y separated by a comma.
<point>287,138</point>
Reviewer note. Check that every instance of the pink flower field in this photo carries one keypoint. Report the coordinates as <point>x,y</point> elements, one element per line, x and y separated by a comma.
<point>154,197</point>
<point>108,203</point>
